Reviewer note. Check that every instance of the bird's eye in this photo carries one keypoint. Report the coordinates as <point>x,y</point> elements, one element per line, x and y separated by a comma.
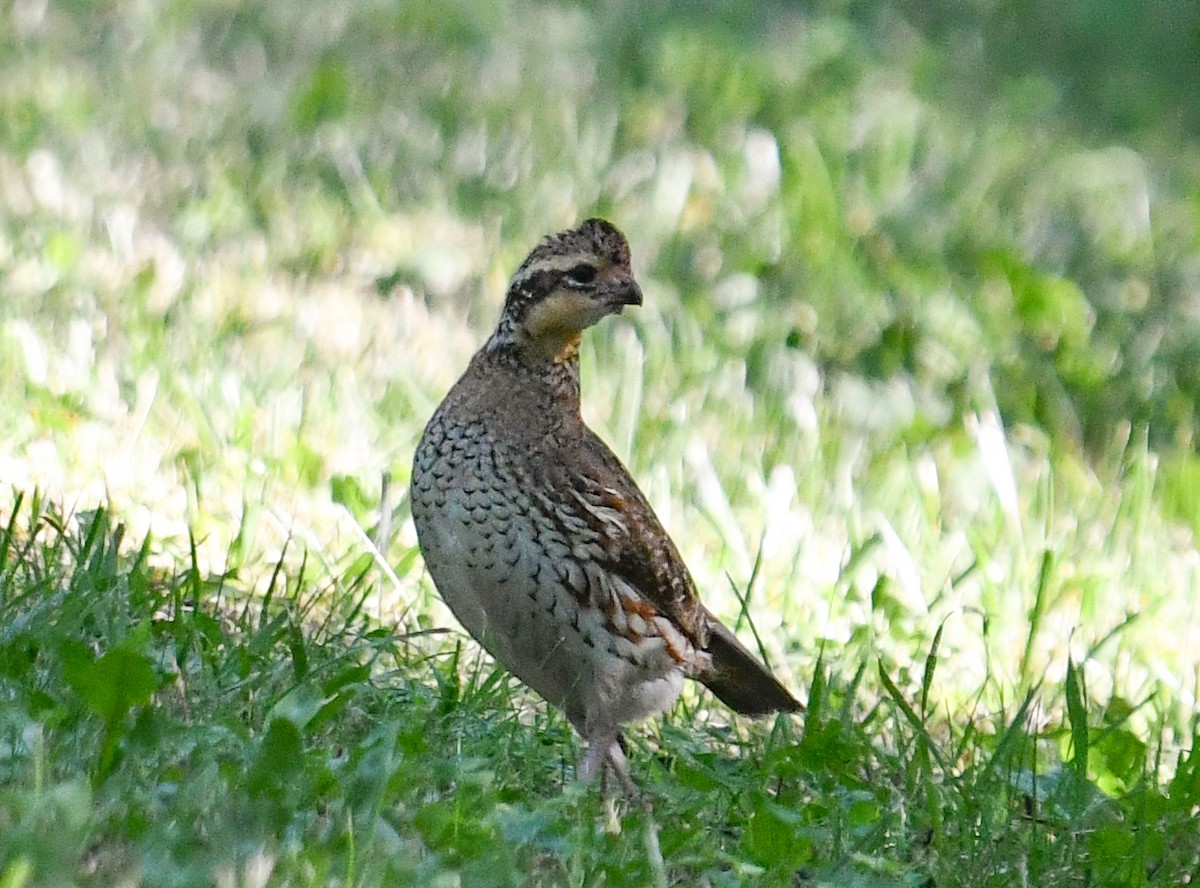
<point>581,274</point>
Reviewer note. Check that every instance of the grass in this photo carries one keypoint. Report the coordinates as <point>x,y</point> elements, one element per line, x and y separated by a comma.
<point>914,388</point>
<point>174,729</point>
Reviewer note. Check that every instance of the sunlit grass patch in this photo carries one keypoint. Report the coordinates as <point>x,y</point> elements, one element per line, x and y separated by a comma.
<point>167,728</point>
<point>913,389</point>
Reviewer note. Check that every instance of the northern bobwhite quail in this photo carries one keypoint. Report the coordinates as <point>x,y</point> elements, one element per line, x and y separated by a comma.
<point>537,537</point>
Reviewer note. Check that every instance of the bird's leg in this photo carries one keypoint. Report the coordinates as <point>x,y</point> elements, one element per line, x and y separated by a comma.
<point>605,755</point>
<point>593,759</point>
<point>617,763</point>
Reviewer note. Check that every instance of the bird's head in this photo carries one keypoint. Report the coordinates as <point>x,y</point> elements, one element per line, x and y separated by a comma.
<point>570,281</point>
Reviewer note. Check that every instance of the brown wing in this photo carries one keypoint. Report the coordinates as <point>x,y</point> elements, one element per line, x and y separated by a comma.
<point>635,545</point>
<point>637,548</point>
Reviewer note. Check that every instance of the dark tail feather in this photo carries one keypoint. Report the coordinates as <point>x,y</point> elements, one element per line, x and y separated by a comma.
<point>740,681</point>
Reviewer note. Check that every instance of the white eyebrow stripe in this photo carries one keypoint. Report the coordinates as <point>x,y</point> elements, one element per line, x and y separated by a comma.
<point>558,263</point>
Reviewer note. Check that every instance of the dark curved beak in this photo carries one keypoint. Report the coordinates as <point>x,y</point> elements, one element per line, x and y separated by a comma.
<point>627,292</point>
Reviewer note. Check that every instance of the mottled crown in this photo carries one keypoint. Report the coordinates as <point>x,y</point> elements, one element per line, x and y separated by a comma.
<point>596,242</point>
<point>595,239</point>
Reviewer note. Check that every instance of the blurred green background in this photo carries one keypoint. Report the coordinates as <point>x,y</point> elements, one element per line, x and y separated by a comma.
<point>898,257</point>
<point>941,193</point>
<point>920,352</point>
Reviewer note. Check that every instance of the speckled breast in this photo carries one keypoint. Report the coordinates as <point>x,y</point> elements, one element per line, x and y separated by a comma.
<point>500,561</point>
